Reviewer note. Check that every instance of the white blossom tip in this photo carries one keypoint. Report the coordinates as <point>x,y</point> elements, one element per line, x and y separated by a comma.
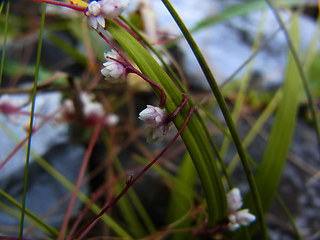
<point>237,218</point>
<point>112,69</point>
<point>154,116</point>
<point>98,11</point>
<point>234,199</point>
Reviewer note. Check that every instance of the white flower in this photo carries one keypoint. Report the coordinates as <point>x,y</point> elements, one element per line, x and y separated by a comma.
<point>155,118</point>
<point>112,68</point>
<point>91,108</point>
<point>98,11</point>
<point>93,111</point>
<point>237,218</point>
<point>95,18</point>
<point>234,200</point>
<point>244,217</point>
<point>111,120</point>
<point>113,8</point>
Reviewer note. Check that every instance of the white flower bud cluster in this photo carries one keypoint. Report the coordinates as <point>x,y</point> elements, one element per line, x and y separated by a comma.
<point>112,68</point>
<point>92,111</point>
<point>237,217</point>
<point>98,11</point>
<point>155,118</point>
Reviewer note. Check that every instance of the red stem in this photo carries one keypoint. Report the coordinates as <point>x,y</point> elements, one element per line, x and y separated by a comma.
<point>84,230</point>
<point>68,5</point>
<point>124,26</point>
<point>84,165</point>
<point>131,69</point>
<point>115,48</point>
<point>178,109</point>
<point>20,145</point>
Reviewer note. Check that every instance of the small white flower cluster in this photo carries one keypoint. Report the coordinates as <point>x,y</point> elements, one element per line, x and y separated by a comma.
<point>98,11</point>
<point>155,118</point>
<point>92,111</point>
<point>237,217</point>
<point>112,68</point>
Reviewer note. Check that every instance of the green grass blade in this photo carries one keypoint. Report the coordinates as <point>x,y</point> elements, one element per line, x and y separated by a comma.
<point>193,135</point>
<point>33,101</point>
<point>222,104</point>
<point>300,72</point>
<point>70,186</point>
<point>142,211</point>
<point>47,228</point>
<point>270,170</point>
<point>187,191</point>
<point>282,131</point>
<point>235,10</point>
<point>264,116</point>
<point>180,203</point>
<point>289,216</point>
<point>133,222</point>
<point>5,36</point>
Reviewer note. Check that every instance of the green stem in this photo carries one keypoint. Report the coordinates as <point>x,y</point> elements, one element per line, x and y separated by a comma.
<point>289,216</point>
<point>5,39</point>
<point>303,77</point>
<point>223,106</point>
<point>33,100</point>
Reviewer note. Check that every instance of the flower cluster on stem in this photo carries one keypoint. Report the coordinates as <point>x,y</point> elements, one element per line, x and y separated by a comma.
<point>237,217</point>
<point>98,11</point>
<point>156,120</point>
<point>113,68</point>
<point>93,111</point>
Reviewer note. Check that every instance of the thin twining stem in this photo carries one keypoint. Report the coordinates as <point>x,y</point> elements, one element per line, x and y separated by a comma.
<point>84,230</point>
<point>68,5</point>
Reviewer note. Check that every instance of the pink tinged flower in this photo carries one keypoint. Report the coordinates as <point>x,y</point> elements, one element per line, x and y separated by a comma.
<point>113,8</point>
<point>155,118</point>
<point>98,11</point>
<point>95,18</point>
<point>234,200</point>
<point>93,111</point>
<point>112,68</point>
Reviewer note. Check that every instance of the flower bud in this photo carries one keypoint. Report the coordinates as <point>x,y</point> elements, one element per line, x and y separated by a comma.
<point>154,116</point>
<point>113,8</point>
<point>237,218</point>
<point>112,68</point>
<point>98,11</point>
<point>234,200</point>
<point>244,217</point>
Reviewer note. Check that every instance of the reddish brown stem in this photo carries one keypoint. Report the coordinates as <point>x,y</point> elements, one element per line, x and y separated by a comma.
<point>178,109</point>
<point>84,230</point>
<point>21,144</point>
<point>84,165</point>
<point>68,5</point>
<point>131,69</point>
